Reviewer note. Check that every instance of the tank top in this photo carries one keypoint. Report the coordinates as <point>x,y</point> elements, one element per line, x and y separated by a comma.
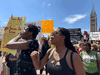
<point>62,69</point>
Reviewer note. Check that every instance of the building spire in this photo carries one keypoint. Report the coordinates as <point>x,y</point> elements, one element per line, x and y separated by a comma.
<point>12,15</point>
<point>93,9</point>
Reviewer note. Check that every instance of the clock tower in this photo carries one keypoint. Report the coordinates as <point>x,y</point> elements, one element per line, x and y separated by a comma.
<point>93,20</point>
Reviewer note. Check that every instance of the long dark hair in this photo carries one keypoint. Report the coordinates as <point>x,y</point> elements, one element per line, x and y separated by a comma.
<point>35,29</point>
<point>45,47</point>
<point>67,41</point>
<point>88,44</point>
<point>45,41</point>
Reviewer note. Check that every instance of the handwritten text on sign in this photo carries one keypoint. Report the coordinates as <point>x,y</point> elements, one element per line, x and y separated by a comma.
<point>95,35</point>
<point>47,26</point>
<point>15,25</point>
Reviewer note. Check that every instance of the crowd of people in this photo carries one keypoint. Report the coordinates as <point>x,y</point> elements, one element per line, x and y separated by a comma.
<point>66,58</point>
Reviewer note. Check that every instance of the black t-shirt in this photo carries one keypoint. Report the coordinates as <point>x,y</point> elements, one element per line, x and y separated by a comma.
<point>12,56</point>
<point>24,55</point>
<point>0,53</point>
<point>99,51</point>
<point>44,49</point>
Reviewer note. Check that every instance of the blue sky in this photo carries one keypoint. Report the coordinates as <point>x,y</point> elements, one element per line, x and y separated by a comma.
<point>65,13</point>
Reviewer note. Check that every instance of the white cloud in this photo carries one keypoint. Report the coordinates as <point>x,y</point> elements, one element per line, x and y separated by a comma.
<point>73,18</point>
<point>42,14</point>
<point>49,4</point>
<point>48,17</point>
<point>4,22</point>
<point>43,3</point>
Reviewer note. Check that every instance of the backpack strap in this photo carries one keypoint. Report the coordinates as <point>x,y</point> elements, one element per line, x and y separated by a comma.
<point>66,53</point>
<point>71,58</point>
<point>51,52</point>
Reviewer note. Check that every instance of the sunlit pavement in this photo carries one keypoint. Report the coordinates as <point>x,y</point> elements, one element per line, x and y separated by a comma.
<point>43,73</point>
<point>38,72</point>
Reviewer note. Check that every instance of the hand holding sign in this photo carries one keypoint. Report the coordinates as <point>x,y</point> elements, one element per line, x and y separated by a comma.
<point>19,34</point>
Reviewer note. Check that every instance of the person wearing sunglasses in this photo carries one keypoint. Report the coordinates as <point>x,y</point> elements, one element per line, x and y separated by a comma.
<point>62,60</point>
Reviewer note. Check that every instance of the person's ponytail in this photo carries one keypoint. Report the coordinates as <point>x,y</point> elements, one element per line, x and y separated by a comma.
<point>70,46</point>
<point>67,41</point>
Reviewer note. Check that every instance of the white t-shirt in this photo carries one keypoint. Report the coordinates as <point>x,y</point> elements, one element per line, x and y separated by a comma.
<point>84,37</point>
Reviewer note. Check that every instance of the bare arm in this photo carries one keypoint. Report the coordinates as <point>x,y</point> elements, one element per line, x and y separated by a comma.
<point>79,69</point>
<point>39,64</point>
<point>13,44</point>
<point>40,40</point>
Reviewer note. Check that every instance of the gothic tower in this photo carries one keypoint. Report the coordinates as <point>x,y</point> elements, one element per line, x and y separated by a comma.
<point>93,20</point>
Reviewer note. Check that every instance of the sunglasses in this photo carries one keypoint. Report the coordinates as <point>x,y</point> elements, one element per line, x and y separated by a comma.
<point>55,32</point>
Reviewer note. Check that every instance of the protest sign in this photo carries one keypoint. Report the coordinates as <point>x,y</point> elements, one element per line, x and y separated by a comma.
<point>47,26</point>
<point>14,26</point>
<point>95,35</point>
<point>75,34</point>
<point>1,32</point>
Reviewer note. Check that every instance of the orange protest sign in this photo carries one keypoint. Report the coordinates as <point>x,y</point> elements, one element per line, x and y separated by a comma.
<point>47,26</point>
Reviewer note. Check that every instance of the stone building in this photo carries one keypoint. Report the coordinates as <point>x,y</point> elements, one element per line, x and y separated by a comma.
<point>93,20</point>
